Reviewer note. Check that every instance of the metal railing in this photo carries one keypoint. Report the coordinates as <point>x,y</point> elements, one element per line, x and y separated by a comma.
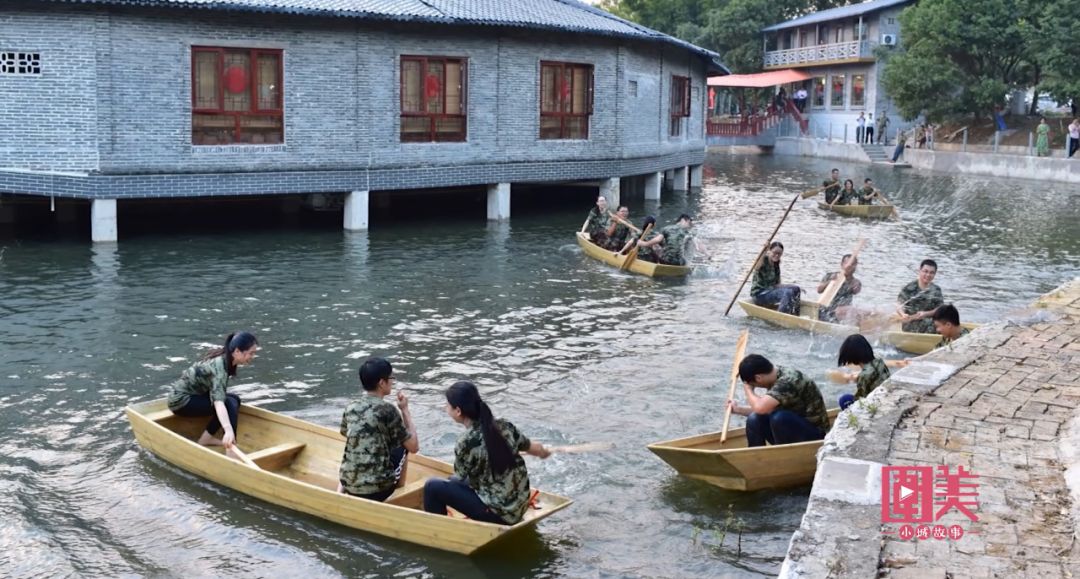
<point>749,127</point>
<point>819,53</point>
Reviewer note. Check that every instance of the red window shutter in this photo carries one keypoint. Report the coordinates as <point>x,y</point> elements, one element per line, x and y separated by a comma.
<point>591,86</point>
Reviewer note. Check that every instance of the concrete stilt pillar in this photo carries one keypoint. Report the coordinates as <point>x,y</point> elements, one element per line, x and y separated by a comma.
<point>356,211</point>
<point>695,176</point>
<point>652,186</point>
<point>103,220</point>
<point>609,188</point>
<point>498,202</point>
<point>679,184</point>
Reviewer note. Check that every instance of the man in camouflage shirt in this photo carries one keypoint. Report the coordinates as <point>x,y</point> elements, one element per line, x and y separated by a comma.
<point>841,303</point>
<point>618,232</point>
<point>598,222</point>
<point>668,247</point>
<point>791,410</point>
<point>947,323</point>
<point>832,186</point>
<point>919,299</point>
<point>867,194</point>
<point>377,437</point>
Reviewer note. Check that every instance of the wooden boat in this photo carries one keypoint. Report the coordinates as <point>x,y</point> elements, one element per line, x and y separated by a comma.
<point>915,343</point>
<point>866,211</point>
<point>734,466</point>
<point>806,321</point>
<point>299,470</point>
<point>637,266</point>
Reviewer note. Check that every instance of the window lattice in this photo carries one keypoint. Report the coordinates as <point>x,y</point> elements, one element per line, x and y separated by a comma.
<point>24,63</point>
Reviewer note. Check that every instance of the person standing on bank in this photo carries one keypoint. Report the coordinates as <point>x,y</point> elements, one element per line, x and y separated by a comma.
<point>882,128</point>
<point>919,299</point>
<point>869,137</point>
<point>1042,142</point>
<point>766,289</point>
<point>1074,136</point>
<point>792,410</point>
<point>203,389</point>
<point>860,128</point>
<point>378,440</point>
<point>490,482</point>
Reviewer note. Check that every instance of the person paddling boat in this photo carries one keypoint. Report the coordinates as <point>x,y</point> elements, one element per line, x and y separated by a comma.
<point>919,299</point>
<point>791,410</point>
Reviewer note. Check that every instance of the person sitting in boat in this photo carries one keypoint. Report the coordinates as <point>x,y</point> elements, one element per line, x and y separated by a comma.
<point>856,351</point>
<point>947,323</point>
<point>669,246</point>
<point>840,306</point>
<point>377,438</point>
<point>619,231</point>
<point>868,193</point>
<point>766,289</point>
<point>919,300</point>
<point>848,195</point>
<point>599,221</point>
<point>791,410</point>
<point>832,186</point>
<point>490,482</point>
<point>203,390</point>
<point>645,251</point>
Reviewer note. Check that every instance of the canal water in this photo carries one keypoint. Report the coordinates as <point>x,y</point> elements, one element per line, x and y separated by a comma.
<point>568,349</point>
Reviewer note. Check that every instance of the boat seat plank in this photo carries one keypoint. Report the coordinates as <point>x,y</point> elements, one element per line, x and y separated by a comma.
<point>277,456</point>
<point>409,495</point>
<point>159,415</point>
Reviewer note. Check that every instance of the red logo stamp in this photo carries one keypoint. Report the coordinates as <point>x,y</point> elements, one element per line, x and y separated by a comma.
<point>924,494</point>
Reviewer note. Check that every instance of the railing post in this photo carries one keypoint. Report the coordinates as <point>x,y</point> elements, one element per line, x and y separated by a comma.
<point>997,138</point>
<point>830,131</point>
<point>964,148</point>
<point>845,132</point>
<point>1031,143</point>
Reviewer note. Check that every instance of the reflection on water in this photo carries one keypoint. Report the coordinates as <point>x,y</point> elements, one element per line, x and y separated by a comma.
<point>570,350</point>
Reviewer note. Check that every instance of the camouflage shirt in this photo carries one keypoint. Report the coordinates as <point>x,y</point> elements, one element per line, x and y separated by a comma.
<point>767,276</point>
<point>872,375</point>
<point>833,187</point>
<point>618,237</point>
<point>202,378</point>
<point>847,197</point>
<point>675,239</point>
<point>915,300</point>
<point>797,393</point>
<point>844,297</point>
<point>945,341</point>
<point>646,253</point>
<point>506,494</point>
<point>866,196</point>
<point>372,427</point>
<point>598,222</point>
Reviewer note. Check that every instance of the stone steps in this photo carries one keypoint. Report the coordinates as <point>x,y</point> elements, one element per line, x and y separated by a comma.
<point>876,153</point>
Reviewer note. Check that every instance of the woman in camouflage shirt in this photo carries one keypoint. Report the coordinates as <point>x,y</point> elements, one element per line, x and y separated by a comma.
<point>490,482</point>
<point>856,351</point>
<point>201,390</point>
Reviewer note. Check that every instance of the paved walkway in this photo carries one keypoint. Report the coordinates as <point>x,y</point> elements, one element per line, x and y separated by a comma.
<point>1003,403</point>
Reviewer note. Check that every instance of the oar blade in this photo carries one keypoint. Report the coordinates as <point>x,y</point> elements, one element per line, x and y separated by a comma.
<point>740,351</point>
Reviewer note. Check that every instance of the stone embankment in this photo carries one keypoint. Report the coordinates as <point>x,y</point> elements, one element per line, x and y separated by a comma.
<point>1004,404</point>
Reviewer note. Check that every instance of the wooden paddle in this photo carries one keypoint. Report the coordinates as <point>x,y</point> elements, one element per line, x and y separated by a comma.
<point>632,254</point>
<point>834,286</point>
<point>585,225</point>
<point>765,247</point>
<point>895,213</point>
<point>624,222</point>
<point>580,448</point>
<point>740,350</point>
<point>812,192</point>
<point>244,457</point>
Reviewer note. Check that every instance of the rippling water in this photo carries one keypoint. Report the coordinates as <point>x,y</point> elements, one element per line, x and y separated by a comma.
<point>567,348</point>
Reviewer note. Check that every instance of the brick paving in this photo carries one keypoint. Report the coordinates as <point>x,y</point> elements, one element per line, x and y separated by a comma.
<point>1002,417</point>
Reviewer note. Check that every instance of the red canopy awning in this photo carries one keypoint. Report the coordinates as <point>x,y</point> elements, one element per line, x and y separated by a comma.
<point>759,80</point>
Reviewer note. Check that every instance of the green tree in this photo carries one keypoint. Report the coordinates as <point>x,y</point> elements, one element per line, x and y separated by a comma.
<point>961,56</point>
<point>1056,46</point>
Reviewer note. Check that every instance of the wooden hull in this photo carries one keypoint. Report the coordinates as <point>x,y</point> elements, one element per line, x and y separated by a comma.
<point>300,462</point>
<point>637,266</point>
<point>915,343</point>
<point>807,321</point>
<point>865,211</point>
<point>734,466</point>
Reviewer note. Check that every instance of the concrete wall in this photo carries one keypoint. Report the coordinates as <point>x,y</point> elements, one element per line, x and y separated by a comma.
<point>821,148</point>
<point>115,98</point>
<point>1010,166</point>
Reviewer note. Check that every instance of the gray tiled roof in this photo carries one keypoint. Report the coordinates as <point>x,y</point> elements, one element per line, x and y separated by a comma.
<point>837,13</point>
<point>568,15</point>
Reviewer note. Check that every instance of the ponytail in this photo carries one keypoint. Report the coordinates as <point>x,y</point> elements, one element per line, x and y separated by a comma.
<point>465,397</point>
<point>242,341</point>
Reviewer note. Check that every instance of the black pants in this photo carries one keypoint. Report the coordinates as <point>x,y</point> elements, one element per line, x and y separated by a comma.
<point>440,493</point>
<point>201,405</point>
<point>1074,144</point>
<point>869,136</point>
<point>780,427</point>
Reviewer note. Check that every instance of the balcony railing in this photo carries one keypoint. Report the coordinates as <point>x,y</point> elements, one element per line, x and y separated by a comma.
<point>822,53</point>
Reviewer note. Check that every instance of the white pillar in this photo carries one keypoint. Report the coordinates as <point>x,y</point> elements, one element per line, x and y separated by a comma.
<point>103,220</point>
<point>652,186</point>
<point>356,211</point>
<point>498,202</point>
<point>679,184</point>
<point>609,188</point>
<point>695,176</point>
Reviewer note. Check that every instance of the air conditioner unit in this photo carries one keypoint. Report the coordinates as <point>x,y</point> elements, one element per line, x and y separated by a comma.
<point>888,39</point>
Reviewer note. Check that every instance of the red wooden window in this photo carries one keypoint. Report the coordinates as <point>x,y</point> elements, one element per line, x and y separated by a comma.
<point>433,107</point>
<point>566,100</point>
<point>236,96</point>
<point>680,103</point>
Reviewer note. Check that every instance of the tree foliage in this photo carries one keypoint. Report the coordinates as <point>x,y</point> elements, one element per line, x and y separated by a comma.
<point>1057,49</point>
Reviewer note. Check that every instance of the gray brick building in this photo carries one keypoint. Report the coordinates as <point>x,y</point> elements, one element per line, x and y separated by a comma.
<point>110,100</point>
